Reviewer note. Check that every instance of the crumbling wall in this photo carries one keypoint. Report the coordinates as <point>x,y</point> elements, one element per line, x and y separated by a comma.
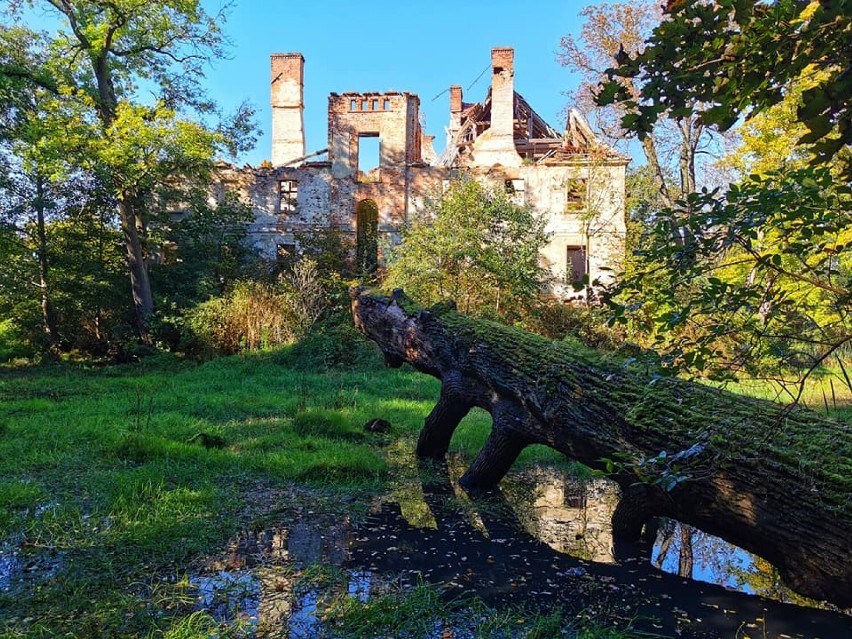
<point>392,117</point>
<point>329,192</point>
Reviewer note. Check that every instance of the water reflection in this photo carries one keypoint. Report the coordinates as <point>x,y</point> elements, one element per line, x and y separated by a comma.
<point>688,552</point>
<point>255,583</point>
<point>543,540</point>
<point>569,514</point>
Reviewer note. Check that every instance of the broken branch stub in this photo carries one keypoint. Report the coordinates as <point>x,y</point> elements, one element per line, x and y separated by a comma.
<point>774,480</point>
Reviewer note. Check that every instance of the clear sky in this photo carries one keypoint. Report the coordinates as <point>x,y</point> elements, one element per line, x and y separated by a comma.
<point>368,45</point>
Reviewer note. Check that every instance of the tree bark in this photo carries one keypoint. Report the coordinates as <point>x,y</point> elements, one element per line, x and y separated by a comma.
<point>774,480</point>
<point>143,300</point>
<point>47,313</point>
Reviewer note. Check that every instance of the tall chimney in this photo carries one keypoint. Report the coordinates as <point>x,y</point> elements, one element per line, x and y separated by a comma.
<point>288,128</point>
<point>497,144</point>
<point>502,92</point>
<point>455,109</point>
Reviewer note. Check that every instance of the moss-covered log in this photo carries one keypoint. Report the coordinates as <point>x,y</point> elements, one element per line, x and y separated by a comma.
<point>774,480</point>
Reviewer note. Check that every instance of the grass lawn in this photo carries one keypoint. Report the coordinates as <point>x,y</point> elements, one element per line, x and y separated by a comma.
<point>113,480</point>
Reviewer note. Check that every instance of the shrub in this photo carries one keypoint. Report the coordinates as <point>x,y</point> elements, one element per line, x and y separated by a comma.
<point>334,343</point>
<point>558,320</point>
<point>12,343</point>
<point>256,315</point>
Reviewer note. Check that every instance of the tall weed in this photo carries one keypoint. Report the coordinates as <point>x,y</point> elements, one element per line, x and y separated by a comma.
<point>257,315</point>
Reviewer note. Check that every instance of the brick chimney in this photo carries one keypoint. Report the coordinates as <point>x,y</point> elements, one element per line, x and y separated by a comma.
<point>288,128</point>
<point>455,109</point>
<point>502,92</point>
<point>497,145</point>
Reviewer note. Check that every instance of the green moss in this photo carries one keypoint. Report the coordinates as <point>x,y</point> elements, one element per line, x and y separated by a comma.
<point>668,412</point>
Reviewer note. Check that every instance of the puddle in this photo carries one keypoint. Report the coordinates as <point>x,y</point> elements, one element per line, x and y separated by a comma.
<point>10,564</point>
<point>543,541</point>
<point>20,566</point>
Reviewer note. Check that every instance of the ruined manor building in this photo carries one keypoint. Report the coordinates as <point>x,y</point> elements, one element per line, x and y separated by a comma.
<point>571,179</point>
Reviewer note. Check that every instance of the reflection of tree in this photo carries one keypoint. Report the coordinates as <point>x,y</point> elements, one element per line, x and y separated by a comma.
<point>686,555</point>
<point>692,547</point>
<point>689,552</point>
<point>761,578</point>
<point>665,537</point>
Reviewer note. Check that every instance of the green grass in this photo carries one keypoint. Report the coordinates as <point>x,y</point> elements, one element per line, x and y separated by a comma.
<point>422,612</point>
<point>826,391</point>
<point>127,474</point>
<point>105,469</point>
<point>114,480</point>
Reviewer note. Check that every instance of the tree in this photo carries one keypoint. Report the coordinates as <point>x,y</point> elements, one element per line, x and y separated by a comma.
<point>199,253</point>
<point>768,140</point>
<point>95,70</point>
<point>768,275</point>
<point>474,246</point>
<point>732,58</point>
<point>677,448</point>
<point>608,29</point>
<point>85,285</point>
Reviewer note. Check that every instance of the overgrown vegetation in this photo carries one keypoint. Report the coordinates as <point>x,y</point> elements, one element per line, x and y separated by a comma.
<point>753,277</point>
<point>116,479</point>
<point>473,245</point>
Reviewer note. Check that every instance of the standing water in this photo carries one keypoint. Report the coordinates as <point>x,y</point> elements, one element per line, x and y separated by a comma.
<point>543,541</point>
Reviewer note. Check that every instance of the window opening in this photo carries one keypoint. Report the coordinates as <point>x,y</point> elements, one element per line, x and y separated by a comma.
<point>288,196</point>
<point>369,154</point>
<point>576,194</point>
<point>575,267</point>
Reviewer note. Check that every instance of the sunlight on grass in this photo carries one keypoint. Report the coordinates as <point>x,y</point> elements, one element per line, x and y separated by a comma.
<point>114,480</point>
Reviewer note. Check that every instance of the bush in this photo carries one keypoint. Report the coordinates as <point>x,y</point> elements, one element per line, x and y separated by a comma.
<point>12,343</point>
<point>474,246</point>
<point>256,315</point>
<point>334,343</point>
<point>557,320</point>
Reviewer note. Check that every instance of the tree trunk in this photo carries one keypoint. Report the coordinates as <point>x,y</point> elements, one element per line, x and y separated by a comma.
<point>773,480</point>
<point>143,300</point>
<point>47,313</point>
<point>649,149</point>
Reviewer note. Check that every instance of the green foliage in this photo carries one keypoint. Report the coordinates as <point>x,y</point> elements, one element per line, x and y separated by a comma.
<point>558,320</point>
<point>767,277</point>
<point>86,284</point>
<point>731,58</point>
<point>12,344</point>
<point>330,248</point>
<point>768,140</point>
<point>255,315</point>
<point>754,278</point>
<point>473,246</point>
<point>79,98</point>
<point>333,344</point>
<point>201,252</point>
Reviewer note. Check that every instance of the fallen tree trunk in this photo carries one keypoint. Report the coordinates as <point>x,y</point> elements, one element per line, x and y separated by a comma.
<point>773,480</point>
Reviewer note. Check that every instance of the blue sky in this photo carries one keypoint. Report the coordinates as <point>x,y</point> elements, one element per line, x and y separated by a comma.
<point>421,47</point>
